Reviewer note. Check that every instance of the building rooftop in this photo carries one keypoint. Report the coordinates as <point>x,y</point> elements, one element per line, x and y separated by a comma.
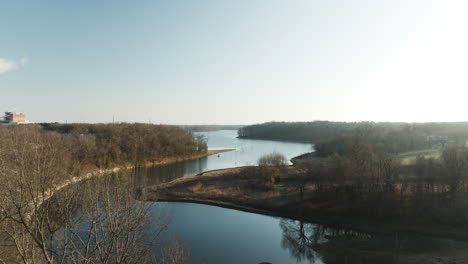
<point>14,118</point>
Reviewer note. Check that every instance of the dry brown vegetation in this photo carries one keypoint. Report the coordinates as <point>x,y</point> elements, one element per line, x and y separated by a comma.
<point>362,189</point>
<point>94,221</point>
<point>107,145</point>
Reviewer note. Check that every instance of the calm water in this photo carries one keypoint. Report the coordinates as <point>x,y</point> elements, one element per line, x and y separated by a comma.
<point>229,236</point>
<point>247,152</point>
<point>224,235</point>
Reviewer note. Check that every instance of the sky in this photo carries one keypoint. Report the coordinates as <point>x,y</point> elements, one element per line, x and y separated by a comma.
<point>234,62</point>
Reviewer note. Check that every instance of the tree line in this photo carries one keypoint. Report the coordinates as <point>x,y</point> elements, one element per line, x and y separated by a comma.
<point>318,131</point>
<point>209,128</point>
<point>374,185</point>
<point>308,132</point>
<point>382,139</point>
<point>111,227</point>
<point>360,174</point>
<point>104,145</point>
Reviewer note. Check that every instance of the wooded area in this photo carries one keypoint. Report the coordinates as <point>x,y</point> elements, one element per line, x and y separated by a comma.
<point>360,174</point>
<point>38,224</point>
<point>317,131</point>
<point>106,144</point>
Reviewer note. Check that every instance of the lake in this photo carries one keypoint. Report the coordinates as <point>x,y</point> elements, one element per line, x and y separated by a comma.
<point>227,236</point>
<point>217,234</point>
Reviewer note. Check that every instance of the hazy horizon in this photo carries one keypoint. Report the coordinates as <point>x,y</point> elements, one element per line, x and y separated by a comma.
<point>244,62</point>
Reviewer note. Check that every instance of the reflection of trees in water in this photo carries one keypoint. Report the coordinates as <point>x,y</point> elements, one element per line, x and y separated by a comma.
<point>147,176</point>
<point>193,167</point>
<point>302,239</point>
<point>317,244</point>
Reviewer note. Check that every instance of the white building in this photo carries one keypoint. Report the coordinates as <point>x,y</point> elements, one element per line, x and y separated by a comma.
<point>14,118</point>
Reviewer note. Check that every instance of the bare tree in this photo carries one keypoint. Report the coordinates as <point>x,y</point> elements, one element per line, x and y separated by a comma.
<point>270,166</point>
<point>111,227</point>
<point>33,163</point>
<point>454,160</point>
<point>301,239</point>
<point>175,253</point>
<point>96,221</point>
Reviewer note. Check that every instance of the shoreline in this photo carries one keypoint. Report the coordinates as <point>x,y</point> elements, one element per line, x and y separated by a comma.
<point>276,140</point>
<point>216,184</point>
<point>100,172</point>
<point>170,160</point>
<point>324,221</point>
<point>5,251</point>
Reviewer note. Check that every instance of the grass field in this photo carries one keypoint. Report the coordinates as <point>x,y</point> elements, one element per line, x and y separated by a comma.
<point>410,157</point>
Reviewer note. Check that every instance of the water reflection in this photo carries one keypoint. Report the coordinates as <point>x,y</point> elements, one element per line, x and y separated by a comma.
<point>148,176</point>
<point>246,152</point>
<point>99,221</point>
<point>319,244</point>
<point>232,237</point>
<point>312,243</point>
<point>301,239</point>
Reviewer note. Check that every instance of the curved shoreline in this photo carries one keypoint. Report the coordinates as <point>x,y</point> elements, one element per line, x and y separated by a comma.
<point>99,172</point>
<point>181,190</point>
<point>324,221</point>
<point>39,200</point>
<point>249,209</point>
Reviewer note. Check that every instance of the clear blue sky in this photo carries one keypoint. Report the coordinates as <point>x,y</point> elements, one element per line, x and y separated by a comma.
<point>234,62</point>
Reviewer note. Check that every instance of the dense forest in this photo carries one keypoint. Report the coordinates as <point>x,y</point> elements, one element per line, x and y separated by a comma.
<point>382,139</point>
<point>308,132</point>
<point>360,173</point>
<point>38,223</point>
<point>362,183</point>
<point>106,144</point>
<point>316,131</point>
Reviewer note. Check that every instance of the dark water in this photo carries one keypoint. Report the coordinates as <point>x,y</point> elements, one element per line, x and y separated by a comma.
<point>224,235</point>
<point>246,153</point>
<point>229,236</point>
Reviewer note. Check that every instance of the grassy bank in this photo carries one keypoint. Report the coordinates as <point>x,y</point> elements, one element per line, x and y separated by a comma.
<point>232,188</point>
<point>410,157</point>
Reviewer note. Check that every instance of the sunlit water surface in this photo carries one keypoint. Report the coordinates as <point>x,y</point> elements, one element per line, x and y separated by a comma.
<point>224,235</point>
<point>229,236</point>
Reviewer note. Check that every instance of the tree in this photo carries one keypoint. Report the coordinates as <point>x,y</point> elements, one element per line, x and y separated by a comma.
<point>273,159</point>
<point>175,253</point>
<point>455,162</point>
<point>44,221</point>
<point>33,163</point>
<point>271,166</point>
<point>301,239</point>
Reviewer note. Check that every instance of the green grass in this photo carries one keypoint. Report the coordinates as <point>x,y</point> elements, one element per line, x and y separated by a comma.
<point>410,157</point>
